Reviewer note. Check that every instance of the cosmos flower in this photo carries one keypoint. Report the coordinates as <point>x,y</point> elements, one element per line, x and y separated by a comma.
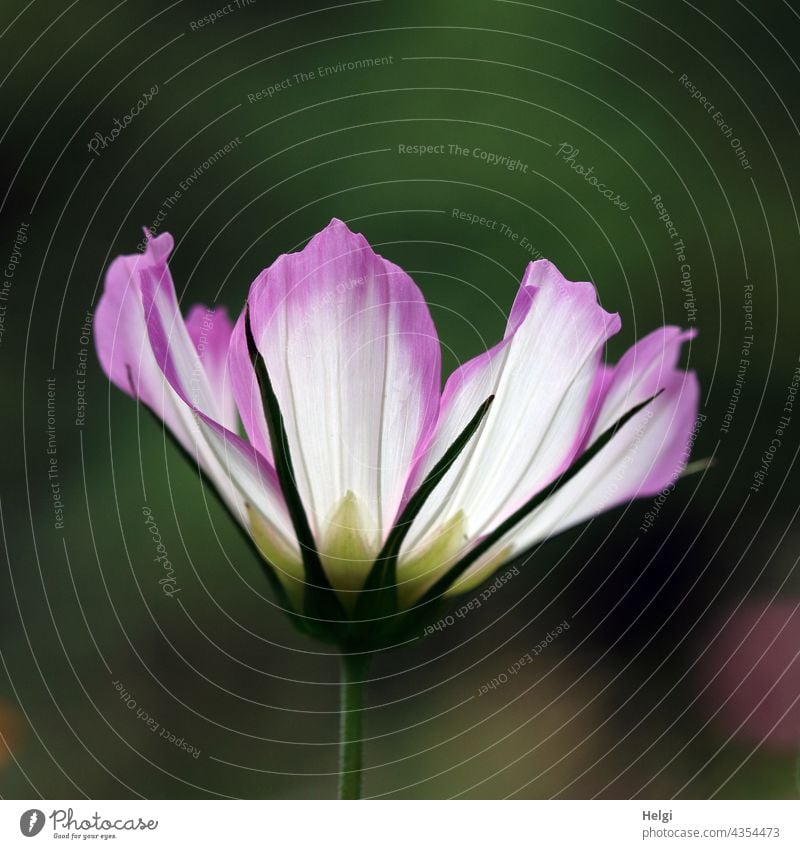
<point>320,418</point>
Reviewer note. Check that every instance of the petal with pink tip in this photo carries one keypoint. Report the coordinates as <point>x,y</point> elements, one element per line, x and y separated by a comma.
<point>542,374</point>
<point>647,454</point>
<point>123,347</point>
<point>641,372</point>
<point>354,358</point>
<point>243,477</point>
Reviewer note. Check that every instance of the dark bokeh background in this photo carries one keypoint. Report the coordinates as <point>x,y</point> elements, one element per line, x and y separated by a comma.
<point>631,700</point>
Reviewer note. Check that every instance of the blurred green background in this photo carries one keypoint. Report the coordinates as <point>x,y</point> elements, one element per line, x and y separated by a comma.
<point>621,704</point>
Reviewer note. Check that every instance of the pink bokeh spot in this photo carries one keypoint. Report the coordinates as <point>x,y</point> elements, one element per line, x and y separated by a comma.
<point>752,674</point>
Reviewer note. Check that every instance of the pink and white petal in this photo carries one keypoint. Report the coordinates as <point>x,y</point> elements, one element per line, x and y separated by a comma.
<point>243,477</point>
<point>543,375</point>
<point>171,343</point>
<point>646,456</point>
<point>123,346</point>
<point>210,329</point>
<point>354,358</point>
<point>640,373</point>
<point>120,333</point>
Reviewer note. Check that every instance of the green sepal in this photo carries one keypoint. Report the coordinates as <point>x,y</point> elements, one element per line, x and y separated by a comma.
<point>378,597</point>
<point>320,600</point>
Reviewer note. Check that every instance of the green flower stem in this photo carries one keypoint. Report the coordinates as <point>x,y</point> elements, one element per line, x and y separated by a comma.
<point>354,670</point>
